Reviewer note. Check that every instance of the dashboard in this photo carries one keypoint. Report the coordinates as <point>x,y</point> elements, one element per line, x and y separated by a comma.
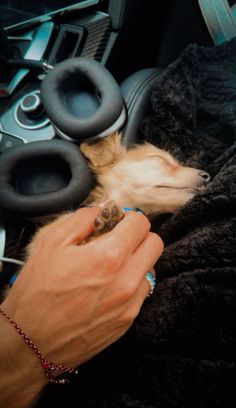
<point>15,13</point>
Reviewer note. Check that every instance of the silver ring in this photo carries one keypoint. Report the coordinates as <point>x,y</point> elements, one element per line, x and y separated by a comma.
<point>152,282</point>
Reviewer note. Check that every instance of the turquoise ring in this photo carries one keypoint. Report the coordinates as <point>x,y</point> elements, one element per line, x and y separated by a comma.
<point>152,282</point>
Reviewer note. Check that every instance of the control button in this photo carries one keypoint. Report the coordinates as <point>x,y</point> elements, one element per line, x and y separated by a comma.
<point>31,105</point>
<point>8,142</point>
<point>29,112</point>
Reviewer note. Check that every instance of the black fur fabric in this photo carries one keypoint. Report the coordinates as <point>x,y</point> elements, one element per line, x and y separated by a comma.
<point>180,352</point>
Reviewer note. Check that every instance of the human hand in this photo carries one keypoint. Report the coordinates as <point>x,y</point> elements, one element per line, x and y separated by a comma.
<point>75,300</point>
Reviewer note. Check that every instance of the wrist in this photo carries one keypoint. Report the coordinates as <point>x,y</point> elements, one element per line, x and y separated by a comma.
<point>51,370</point>
<point>21,375</point>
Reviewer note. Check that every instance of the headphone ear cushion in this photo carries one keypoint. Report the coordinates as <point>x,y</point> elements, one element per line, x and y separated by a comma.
<point>82,99</point>
<point>43,178</point>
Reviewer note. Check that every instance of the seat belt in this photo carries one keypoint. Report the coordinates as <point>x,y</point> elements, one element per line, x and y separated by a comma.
<point>220,19</point>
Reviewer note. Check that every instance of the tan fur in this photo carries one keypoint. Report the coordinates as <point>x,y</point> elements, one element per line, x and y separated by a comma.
<point>143,176</point>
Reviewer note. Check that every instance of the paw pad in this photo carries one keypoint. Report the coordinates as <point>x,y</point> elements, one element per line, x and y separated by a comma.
<point>108,217</point>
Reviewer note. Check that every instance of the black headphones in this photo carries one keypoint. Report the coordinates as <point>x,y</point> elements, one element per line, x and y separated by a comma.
<point>83,102</point>
<point>43,178</point>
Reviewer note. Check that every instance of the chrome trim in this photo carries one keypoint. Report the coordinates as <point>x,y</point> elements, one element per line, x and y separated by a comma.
<point>32,107</point>
<point>23,37</point>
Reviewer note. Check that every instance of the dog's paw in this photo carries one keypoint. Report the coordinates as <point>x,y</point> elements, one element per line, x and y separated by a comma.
<point>108,217</point>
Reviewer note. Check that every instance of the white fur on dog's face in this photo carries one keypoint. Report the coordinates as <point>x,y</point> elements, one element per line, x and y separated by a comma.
<point>144,176</point>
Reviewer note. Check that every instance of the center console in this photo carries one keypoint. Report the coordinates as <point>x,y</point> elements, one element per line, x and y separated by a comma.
<point>84,33</point>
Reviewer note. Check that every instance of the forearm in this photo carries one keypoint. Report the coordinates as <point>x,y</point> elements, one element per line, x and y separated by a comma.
<point>21,376</point>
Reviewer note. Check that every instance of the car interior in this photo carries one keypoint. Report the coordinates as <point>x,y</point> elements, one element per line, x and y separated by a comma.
<point>74,71</point>
<point>133,47</point>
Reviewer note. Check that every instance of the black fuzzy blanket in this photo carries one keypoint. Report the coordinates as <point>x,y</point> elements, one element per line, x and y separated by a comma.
<point>181,350</point>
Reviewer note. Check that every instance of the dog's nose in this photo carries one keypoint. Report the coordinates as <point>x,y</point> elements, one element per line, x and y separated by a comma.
<point>205,176</point>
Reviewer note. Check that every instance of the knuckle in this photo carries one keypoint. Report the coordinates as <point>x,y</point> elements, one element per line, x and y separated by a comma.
<point>157,241</point>
<point>141,219</point>
<point>130,315</point>
<point>112,258</point>
<point>129,290</point>
<point>145,221</point>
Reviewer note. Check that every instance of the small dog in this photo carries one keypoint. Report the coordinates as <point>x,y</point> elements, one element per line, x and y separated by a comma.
<point>143,176</point>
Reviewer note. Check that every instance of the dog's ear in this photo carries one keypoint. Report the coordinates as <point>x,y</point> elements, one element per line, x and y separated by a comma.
<point>104,152</point>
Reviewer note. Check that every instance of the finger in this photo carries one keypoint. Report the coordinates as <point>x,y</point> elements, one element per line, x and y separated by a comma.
<point>73,228</point>
<point>145,290</point>
<point>134,268</point>
<point>132,308</point>
<point>127,234</point>
<point>142,260</point>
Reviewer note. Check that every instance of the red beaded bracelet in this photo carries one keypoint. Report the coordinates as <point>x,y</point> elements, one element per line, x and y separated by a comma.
<point>51,370</point>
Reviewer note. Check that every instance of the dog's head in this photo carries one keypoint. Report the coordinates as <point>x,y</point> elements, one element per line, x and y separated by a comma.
<point>144,176</point>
